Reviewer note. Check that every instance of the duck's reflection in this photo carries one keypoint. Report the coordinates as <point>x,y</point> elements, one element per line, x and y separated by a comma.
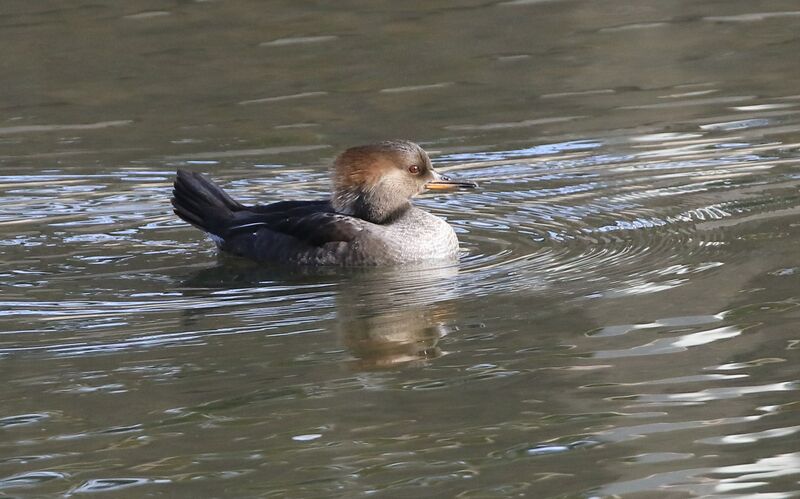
<point>384,317</point>
<point>387,340</point>
<point>391,317</point>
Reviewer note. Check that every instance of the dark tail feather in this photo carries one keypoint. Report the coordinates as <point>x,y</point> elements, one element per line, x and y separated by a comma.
<point>202,203</point>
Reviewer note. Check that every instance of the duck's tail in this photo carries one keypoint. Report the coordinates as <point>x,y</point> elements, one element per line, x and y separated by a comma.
<point>202,203</point>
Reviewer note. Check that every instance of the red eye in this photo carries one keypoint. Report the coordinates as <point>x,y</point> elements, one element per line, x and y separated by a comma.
<point>413,169</point>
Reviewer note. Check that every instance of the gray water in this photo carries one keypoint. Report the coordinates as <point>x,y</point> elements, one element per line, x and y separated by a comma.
<point>623,321</point>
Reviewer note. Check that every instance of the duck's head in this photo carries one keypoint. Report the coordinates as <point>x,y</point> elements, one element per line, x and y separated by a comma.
<point>376,182</point>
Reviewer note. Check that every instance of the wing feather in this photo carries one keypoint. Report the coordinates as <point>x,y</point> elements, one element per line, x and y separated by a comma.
<point>312,222</point>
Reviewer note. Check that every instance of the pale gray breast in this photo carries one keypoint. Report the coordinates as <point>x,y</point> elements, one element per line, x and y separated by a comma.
<point>417,236</point>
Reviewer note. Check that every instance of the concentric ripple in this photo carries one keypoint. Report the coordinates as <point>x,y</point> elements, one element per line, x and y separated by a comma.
<point>623,218</point>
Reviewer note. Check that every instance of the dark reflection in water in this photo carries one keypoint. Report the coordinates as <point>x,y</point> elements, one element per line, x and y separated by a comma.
<point>397,316</point>
<point>383,317</point>
<point>623,321</point>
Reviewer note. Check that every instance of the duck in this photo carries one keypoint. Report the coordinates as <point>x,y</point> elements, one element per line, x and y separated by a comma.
<point>369,219</point>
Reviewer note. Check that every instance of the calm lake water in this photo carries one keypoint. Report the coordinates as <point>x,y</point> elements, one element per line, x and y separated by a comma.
<point>624,321</point>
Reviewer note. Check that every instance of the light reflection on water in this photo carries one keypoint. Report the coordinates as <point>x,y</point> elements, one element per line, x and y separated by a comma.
<point>622,321</point>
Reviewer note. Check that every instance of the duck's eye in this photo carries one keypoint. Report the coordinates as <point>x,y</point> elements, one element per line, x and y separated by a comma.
<point>414,169</point>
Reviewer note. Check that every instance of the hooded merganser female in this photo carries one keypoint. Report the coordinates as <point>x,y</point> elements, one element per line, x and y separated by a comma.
<point>369,219</point>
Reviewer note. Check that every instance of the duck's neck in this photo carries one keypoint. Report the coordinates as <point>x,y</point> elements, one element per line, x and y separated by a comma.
<point>376,206</point>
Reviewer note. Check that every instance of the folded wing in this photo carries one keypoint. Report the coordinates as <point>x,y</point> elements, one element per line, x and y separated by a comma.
<point>262,231</point>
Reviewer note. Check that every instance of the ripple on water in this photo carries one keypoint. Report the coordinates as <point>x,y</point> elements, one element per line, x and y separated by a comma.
<point>115,484</point>
<point>30,479</point>
<point>560,214</point>
<point>588,214</point>
<point>623,321</point>
<point>22,419</point>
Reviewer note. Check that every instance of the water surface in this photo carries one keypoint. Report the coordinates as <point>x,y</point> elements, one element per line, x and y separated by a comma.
<point>623,321</point>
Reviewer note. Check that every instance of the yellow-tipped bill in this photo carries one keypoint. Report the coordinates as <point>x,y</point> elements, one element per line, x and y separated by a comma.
<point>449,185</point>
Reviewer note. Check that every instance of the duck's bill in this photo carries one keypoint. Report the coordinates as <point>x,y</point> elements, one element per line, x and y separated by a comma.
<point>449,185</point>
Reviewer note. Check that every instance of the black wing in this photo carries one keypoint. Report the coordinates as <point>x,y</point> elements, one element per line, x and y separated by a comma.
<point>294,207</point>
<point>205,205</point>
<point>313,222</point>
